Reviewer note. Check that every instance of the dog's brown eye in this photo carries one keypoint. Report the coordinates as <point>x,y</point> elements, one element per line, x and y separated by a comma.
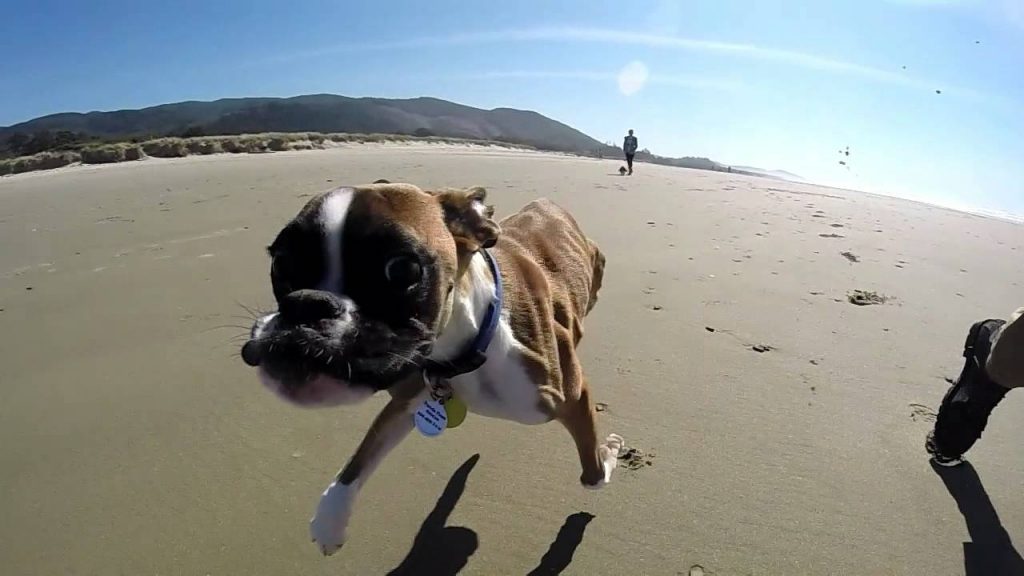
<point>403,271</point>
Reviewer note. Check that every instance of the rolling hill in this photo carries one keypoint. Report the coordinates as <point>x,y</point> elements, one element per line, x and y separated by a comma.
<point>320,113</point>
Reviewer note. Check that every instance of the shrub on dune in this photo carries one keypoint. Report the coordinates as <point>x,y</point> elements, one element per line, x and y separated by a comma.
<point>203,146</point>
<point>41,161</point>
<point>103,154</point>
<point>165,148</point>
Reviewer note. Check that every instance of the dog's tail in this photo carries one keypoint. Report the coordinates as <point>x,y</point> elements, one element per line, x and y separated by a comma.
<point>597,266</point>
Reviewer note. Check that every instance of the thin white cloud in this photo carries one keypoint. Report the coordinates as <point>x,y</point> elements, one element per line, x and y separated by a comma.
<point>623,38</point>
<point>543,74</point>
<point>680,81</point>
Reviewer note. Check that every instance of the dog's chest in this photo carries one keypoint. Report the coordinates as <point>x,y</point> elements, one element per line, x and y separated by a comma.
<point>502,387</point>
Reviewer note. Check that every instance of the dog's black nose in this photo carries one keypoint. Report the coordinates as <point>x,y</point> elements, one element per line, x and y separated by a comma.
<point>310,306</point>
<point>252,353</point>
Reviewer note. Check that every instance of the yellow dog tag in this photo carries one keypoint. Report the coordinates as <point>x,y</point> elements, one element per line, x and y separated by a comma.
<point>456,410</point>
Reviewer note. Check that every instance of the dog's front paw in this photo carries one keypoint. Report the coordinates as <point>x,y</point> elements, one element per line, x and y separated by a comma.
<point>609,453</point>
<point>327,528</point>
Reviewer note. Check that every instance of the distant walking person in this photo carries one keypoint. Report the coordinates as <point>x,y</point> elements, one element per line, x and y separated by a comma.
<point>629,147</point>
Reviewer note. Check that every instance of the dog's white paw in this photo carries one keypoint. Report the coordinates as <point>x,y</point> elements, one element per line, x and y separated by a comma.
<point>609,455</point>
<point>609,452</point>
<point>327,528</point>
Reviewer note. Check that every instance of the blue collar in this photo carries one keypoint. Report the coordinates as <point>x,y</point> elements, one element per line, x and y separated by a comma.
<point>476,354</point>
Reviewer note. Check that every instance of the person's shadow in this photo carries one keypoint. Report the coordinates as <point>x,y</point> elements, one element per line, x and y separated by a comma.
<point>990,550</point>
<point>440,550</point>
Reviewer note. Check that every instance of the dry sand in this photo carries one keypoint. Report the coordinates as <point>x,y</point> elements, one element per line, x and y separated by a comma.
<point>134,441</point>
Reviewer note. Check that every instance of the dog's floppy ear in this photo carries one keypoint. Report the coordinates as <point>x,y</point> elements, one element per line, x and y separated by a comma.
<point>468,218</point>
<point>382,181</point>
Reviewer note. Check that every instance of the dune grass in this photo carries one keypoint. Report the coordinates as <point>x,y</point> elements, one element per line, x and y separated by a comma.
<point>41,161</point>
<point>173,147</point>
<point>110,153</point>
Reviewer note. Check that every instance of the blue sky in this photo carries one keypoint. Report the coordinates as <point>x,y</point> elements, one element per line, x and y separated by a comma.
<point>768,84</point>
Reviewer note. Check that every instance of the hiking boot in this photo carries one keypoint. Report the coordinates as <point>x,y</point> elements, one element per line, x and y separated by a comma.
<point>939,458</point>
<point>968,403</point>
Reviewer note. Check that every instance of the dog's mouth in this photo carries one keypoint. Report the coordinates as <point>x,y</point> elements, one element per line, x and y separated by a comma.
<point>327,364</point>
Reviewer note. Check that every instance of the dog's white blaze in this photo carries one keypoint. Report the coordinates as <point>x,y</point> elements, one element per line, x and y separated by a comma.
<point>332,217</point>
<point>261,324</point>
<point>501,388</point>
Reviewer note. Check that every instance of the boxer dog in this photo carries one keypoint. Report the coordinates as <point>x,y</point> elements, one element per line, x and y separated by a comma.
<point>423,295</point>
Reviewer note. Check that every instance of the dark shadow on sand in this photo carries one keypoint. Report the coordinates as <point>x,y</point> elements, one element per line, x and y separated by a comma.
<point>990,550</point>
<point>440,550</point>
<point>559,554</point>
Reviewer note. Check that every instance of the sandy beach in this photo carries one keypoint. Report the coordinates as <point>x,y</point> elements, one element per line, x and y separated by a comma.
<point>135,441</point>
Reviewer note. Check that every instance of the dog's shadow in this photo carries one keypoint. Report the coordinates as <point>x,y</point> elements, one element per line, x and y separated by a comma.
<point>990,550</point>
<point>559,554</point>
<point>440,550</point>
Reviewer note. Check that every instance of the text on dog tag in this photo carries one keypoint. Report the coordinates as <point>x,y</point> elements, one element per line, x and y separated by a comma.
<point>430,418</point>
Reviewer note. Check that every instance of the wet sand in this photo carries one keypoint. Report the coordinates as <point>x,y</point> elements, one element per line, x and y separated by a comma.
<point>134,440</point>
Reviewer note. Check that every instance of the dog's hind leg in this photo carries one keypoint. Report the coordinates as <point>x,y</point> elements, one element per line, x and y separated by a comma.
<point>598,460</point>
<point>328,525</point>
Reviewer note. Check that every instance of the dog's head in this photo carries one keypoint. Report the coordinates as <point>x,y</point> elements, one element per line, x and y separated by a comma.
<point>364,280</point>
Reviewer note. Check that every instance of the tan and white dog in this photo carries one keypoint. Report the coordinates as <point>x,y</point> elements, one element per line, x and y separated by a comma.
<point>386,287</point>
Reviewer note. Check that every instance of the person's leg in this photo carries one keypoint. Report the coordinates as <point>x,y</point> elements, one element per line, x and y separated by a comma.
<point>966,407</point>
<point>629,162</point>
<point>1006,362</point>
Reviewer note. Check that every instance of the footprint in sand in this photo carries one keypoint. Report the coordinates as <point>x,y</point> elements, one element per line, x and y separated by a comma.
<point>632,458</point>
<point>866,298</point>
<point>850,256</point>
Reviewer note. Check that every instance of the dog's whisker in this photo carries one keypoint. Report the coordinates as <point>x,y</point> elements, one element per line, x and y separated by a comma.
<point>405,359</point>
<point>223,326</point>
<point>246,308</point>
<point>254,312</point>
<point>240,317</point>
